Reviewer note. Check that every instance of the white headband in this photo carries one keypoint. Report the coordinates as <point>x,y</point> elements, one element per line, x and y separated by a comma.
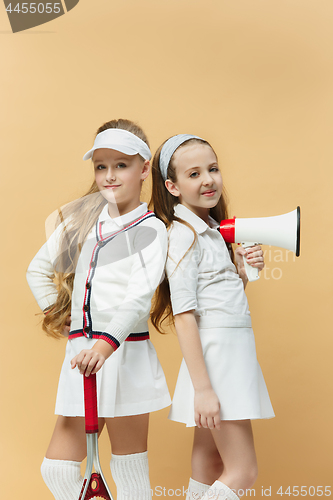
<point>169,148</point>
<point>120,140</point>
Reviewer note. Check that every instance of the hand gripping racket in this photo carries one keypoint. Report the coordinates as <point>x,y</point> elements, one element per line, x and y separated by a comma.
<point>94,484</point>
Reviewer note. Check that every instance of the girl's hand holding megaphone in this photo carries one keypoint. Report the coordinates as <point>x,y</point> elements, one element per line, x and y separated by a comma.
<point>254,257</point>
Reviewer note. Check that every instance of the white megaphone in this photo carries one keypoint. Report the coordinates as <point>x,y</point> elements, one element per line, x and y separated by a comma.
<point>280,231</point>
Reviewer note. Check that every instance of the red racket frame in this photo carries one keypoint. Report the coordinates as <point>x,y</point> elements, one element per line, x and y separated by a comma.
<point>94,484</point>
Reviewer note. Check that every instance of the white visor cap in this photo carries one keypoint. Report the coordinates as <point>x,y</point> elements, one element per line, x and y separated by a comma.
<point>120,140</point>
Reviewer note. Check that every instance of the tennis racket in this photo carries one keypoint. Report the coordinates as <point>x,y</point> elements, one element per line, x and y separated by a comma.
<point>94,484</point>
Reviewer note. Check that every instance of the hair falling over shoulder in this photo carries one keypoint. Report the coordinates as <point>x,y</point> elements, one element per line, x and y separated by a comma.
<point>78,218</point>
<point>163,203</point>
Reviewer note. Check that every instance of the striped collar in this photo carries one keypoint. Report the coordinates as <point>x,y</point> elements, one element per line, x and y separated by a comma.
<point>123,220</point>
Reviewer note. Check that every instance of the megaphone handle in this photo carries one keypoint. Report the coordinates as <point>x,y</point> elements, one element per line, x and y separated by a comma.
<point>252,272</point>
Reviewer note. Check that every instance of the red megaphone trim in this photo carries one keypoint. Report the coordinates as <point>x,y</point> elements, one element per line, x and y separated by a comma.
<point>227,229</point>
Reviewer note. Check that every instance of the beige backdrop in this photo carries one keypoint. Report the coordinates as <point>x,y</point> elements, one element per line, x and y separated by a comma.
<point>255,78</point>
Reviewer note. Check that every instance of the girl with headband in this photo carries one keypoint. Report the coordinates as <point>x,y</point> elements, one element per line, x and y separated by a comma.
<point>220,386</point>
<point>107,255</point>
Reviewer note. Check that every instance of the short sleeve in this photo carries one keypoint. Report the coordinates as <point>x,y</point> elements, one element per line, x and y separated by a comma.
<point>182,268</point>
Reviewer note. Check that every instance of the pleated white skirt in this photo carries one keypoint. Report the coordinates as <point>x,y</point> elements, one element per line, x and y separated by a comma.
<point>235,374</point>
<point>131,381</point>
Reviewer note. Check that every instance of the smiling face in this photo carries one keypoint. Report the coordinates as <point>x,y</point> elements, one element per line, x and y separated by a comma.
<point>119,178</point>
<point>199,181</point>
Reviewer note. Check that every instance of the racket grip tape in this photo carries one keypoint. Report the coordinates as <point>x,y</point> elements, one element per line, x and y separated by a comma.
<point>90,403</point>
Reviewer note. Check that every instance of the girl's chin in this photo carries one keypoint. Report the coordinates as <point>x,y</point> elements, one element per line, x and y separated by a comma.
<point>210,202</point>
<point>108,195</point>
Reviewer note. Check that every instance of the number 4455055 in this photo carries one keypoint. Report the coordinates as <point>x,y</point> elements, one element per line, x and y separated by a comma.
<point>32,8</point>
<point>304,491</point>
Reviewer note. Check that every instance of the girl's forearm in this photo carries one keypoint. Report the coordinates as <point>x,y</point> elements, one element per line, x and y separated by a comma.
<point>190,344</point>
<point>104,348</point>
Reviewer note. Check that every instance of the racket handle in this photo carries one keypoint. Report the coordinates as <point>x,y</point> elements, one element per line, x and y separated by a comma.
<point>90,403</point>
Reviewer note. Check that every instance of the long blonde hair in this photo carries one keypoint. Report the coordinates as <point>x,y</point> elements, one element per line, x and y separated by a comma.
<point>163,203</point>
<point>80,216</point>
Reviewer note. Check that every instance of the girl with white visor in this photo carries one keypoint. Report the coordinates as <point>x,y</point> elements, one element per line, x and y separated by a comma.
<point>107,255</point>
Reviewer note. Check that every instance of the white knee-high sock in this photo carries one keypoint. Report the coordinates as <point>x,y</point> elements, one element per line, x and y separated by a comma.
<point>131,475</point>
<point>63,478</point>
<point>219,491</point>
<point>196,490</point>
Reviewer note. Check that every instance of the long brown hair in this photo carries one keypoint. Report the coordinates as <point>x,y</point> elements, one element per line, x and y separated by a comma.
<point>163,203</point>
<point>80,216</point>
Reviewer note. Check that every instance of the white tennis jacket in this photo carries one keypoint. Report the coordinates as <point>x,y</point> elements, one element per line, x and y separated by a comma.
<point>119,268</point>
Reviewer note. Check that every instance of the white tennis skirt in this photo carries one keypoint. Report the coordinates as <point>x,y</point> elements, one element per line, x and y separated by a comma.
<point>235,374</point>
<point>131,381</point>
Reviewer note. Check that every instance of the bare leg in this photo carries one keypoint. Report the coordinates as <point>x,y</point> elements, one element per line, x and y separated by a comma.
<point>68,441</point>
<point>128,435</point>
<point>129,463</point>
<point>234,442</point>
<point>207,464</point>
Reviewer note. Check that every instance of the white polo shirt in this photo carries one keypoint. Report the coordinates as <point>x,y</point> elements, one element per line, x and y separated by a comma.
<point>204,279</point>
<point>120,266</point>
